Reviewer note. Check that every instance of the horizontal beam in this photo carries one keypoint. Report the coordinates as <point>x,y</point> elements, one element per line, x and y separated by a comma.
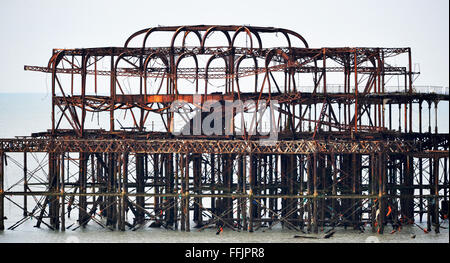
<point>213,72</point>
<point>229,195</point>
<point>135,100</point>
<point>206,146</point>
<point>296,51</point>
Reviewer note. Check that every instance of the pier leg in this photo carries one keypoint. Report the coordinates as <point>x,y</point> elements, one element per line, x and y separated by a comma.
<point>251,184</point>
<point>188,229</point>
<point>63,198</point>
<point>308,192</point>
<point>53,188</point>
<point>240,175</point>
<point>111,216</point>
<point>82,214</point>
<point>2,204</point>
<point>315,201</point>
<point>436,194</point>
<point>140,200</point>
<point>244,192</point>
<point>283,187</point>
<point>172,213</point>
<point>197,164</point>
<point>373,191</point>
<point>183,191</point>
<point>381,192</point>
<point>25,184</point>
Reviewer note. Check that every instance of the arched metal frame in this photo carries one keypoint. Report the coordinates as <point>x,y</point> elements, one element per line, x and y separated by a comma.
<point>292,60</point>
<point>208,29</point>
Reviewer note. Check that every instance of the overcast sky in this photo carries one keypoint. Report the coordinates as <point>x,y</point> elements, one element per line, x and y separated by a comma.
<point>30,29</point>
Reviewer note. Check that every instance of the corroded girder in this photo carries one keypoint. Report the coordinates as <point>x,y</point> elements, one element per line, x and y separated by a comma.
<point>206,146</point>
<point>213,72</point>
<point>104,103</point>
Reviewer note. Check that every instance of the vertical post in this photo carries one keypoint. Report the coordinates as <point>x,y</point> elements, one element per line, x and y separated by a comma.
<point>54,64</point>
<point>429,116</point>
<point>420,116</point>
<point>381,189</point>
<point>275,180</point>
<point>71,75</point>
<point>84,61</point>
<point>409,181</point>
<point>420,190</point>
<point>63,197</point>
<point>445,183</point>
<point>356,92</point>
<point>112,92</point>
<point>124,187</point>
<point>436,194</point>
<point>271,189</point>
<point>143,94</point>
<point>323,163</point>
<point>82,214</point>
<point>294,189</point>
<point>177,168</point>
<point>157,178</point>
<point>390,116</point>
<point>346,70</point>
<point>25,183</point>
<point>405,121</point>
<point>53,188</point>
<point>186,190</point>
<point>182,185</point>
<point>197,165</point>
<point>378,90</point>
<point>57,190</point>
<point>354,185</point>
<point>435,117</point>
<point>119,192</point>
<point>2,194</point>
<point>334,188</point>
<point>382,85</point>
<point>373,188</point>
<point>172,188</point>
<point>264,182</point>
<point>229,183</point>
<point>324,72</point>
<point>410,88</point>
<point>420,167</point>
<point>111,188</point>
<point>140,187</point>
<point>315,194</point>
<point>238,189</point>
<point>95,74</point>
<point>308,192</point>
<point>213,172</point>
<point>309,117</point>
<point>283,174</point>
<point>244,192</point>
<point>250,182</point>
<point>430,199</point>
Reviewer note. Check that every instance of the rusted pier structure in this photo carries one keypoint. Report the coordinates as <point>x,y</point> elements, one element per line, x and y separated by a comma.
<point>319,138</point>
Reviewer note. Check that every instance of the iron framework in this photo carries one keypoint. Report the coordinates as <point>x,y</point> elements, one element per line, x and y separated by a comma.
<point>339,159</point>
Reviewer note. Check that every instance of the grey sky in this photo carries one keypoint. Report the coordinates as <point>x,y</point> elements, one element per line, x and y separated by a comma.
<point>30,29</point>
